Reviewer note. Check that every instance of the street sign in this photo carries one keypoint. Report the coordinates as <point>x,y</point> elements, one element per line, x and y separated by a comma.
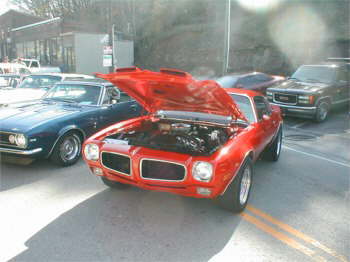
<point>107,50</point>
<point>107,60</point>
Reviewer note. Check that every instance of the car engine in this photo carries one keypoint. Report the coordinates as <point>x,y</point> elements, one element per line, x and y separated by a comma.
<point>193,139</point>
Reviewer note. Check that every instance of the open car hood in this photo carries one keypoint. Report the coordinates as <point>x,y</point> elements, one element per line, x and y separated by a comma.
<point>170,89</point>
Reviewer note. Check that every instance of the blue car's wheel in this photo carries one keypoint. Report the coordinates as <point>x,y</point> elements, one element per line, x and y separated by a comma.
<point>67,150</point>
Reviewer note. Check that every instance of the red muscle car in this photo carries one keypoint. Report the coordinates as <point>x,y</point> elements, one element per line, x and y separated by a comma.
<point>198,140</point>
<point>255,81</point>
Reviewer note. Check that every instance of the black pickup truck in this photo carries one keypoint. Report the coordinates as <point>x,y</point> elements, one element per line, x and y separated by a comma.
<point>313,89</point>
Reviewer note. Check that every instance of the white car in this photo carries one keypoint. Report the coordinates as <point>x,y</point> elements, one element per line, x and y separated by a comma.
<point>14,68</point>
<point>34,86</point>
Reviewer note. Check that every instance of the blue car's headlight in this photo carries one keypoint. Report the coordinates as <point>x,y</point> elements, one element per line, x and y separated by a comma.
<point>19,140</point>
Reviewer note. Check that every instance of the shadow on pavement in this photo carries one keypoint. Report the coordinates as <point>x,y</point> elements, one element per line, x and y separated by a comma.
<point>14,175</point>
<point>338,122</point>
<point>134,225</point>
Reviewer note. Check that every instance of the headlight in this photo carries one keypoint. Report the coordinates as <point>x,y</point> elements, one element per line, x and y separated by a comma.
<point>12,139</point>
<point>269,93</point>
<point>18,139</point>
<point>202,171</point>
<point>92,152</point>
<point>306,99</point>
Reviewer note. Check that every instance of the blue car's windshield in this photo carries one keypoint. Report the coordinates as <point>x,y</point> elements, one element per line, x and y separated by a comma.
<point>39,81</point>
<point>75,93</point>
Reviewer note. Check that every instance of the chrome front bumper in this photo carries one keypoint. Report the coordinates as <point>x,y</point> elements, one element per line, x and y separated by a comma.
<point>20,151</point>
<point>294,107</point>
<point>297,110</point>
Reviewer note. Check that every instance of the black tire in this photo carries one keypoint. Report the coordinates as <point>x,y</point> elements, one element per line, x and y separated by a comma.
<point>322,111</point>
<point>114,184</point>
<point>67,150</point>
<point>273,151</point>
<point>231,200</point>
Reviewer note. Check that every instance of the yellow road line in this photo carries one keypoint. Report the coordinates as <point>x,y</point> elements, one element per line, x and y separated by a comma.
<point>282,237</point>
<point>295,232</point>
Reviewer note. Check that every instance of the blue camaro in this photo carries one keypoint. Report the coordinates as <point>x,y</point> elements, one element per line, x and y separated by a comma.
<point>55,126</point>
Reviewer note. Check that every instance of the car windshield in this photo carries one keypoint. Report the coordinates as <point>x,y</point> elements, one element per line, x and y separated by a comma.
<point>74,93</point>
<point>227,81</point>
<point>27,62</point>
<point>245,106</point>
<point>317,74</point>
<point>39,81</point>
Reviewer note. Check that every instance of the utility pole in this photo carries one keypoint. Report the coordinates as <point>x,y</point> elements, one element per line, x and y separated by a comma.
<point>226,54</point>
<point>114,53</point>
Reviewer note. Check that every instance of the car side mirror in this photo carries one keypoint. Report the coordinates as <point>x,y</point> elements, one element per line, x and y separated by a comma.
<point>266,117</point>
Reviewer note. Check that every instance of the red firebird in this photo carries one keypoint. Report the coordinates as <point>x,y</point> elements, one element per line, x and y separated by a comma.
<point>198,140</point>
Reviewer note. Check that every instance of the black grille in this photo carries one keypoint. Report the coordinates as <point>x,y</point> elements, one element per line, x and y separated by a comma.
<point>285,98</point>
<point>153,169</point>
<point>116,162</point>
<point>4,138</point>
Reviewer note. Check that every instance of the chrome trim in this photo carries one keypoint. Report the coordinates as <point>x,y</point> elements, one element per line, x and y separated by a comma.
<point>274,100</point>
<point>159,160</point>
<point>20,152</point>
<point>195,121</point>
<point>101,97</point>
<point>294,107</point>
<point>235,174</point>
<point>120,154</point>
<point>251,104</point>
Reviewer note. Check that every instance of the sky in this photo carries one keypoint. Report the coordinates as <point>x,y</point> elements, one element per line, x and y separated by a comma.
<point>5,6</point>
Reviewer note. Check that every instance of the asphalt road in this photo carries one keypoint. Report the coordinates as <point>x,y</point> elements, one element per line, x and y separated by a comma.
<point>298,211</point>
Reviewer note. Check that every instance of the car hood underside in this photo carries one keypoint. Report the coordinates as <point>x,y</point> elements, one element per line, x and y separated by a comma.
<point>174,90</point>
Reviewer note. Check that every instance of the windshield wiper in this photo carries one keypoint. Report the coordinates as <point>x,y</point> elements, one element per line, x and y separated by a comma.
<point>293,78</point>
<point>66,100</point>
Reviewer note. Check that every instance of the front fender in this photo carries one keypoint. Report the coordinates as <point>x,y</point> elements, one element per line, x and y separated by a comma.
<point>70,128</point>
<point>235,169</point>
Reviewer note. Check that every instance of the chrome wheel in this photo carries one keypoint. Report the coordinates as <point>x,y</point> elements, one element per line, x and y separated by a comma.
<point>322,111</point>
<point>279,144</point>
<point>245,185</point>
<point>70,148</point>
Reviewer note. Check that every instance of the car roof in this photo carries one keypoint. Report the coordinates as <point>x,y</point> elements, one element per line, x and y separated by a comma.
<point>243,74</point>
<point>11,75</point>
<point>329,64</point>
<point>13,65</point>
<point>239,91</point>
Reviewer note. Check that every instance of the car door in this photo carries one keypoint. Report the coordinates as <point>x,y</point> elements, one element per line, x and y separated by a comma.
<point>116,108</point>
<point>265,124</point>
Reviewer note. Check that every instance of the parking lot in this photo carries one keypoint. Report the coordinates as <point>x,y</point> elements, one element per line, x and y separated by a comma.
<point>298,210</point>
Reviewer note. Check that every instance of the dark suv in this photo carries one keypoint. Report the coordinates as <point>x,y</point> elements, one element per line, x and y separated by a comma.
<point>313,89</point>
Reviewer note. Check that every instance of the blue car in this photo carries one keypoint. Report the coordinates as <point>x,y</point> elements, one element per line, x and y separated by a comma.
<point>55,126</point>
